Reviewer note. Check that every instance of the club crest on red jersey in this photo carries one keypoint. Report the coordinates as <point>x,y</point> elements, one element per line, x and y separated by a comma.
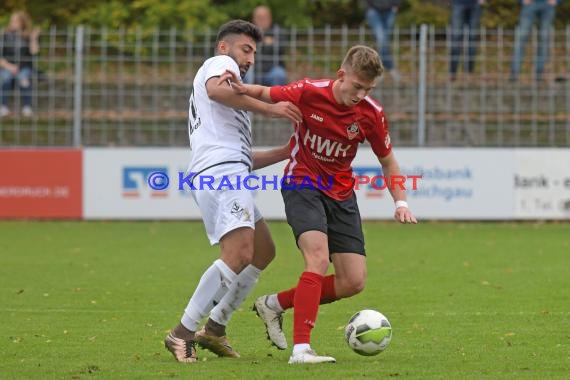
<point>352,131</point>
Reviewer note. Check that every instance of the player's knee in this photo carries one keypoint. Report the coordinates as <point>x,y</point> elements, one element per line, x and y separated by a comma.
<point>356,285</point>
<point>317,263</point>
<point>351,286</point>
<point>238,256</point>
<point>244,256</point>
<point>241,262</point>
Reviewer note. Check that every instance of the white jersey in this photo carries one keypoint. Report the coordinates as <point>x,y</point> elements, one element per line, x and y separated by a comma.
<point>218,134</point>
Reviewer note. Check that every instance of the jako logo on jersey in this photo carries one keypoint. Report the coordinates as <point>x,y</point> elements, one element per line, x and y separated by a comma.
<point>352,131</point>
<point>317,117</point>
<point>387,141</point>
<point>135,181</point>
<point>326,146</point>
<point>293,86</point>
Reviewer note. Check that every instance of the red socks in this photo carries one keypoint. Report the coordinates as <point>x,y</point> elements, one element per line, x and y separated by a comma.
<point>328,294</point>
<point>285,298</point>
<point>306,304</point>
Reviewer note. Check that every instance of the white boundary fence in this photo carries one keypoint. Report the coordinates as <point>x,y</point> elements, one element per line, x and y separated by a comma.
<point>130,88</point>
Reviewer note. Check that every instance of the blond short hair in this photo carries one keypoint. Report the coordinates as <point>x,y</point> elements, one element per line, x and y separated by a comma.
<point>364,62</point>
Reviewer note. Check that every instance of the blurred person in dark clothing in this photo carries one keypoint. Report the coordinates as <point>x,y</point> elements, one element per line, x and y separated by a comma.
<point>543,12</point>
<point>464,13</point>
<point>18,46</point>
<point>269,67</point>
<point>381,17</point>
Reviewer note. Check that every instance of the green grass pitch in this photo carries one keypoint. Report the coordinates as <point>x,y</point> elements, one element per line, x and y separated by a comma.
<point>94,300</point>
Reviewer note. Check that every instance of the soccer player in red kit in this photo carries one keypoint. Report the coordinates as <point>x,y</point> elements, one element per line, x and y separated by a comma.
<point>338,115</point>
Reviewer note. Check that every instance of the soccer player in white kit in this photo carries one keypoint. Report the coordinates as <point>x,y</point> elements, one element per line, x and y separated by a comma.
<point>220,140</point>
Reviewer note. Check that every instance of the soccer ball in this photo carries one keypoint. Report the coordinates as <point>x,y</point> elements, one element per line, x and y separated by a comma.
<point>368,332</point>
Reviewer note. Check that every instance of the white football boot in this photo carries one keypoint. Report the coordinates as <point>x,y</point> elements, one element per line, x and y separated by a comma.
<point>273,322</point>
<point>309,356</point>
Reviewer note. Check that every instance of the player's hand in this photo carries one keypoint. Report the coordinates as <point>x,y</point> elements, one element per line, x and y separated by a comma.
<point>286,110</point>
<point>405,216</point>
<point>235,83</point>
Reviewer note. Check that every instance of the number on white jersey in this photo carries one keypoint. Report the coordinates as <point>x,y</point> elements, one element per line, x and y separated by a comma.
<point>193,118</point>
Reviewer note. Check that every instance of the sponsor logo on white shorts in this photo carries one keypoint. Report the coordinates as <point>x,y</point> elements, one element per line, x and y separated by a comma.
<point>240,212</point>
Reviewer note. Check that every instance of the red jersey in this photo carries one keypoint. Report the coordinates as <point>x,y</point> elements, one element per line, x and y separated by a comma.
<point>324,144</point>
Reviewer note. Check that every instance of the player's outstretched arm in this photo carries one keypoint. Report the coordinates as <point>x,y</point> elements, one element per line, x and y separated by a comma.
<point>263,158</point>
<point>253,90</point>
<point>396,186</point>
<point>222,92</point>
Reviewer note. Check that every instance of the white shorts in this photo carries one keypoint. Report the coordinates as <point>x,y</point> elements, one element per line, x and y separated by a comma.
<point>224,209</point>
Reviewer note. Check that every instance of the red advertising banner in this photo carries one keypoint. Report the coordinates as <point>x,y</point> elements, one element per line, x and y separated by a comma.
<point>41,183</point>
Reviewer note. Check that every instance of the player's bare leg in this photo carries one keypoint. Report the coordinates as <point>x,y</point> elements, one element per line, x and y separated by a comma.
<point>350,274</point>
<point>237,248</point>
<point>263,246</point>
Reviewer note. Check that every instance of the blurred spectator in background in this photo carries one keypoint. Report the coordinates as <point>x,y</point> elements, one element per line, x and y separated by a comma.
<point>381,16</point>
<point>464,13</point>
<point>542,11</point>
<point>269,68</point>
<point>18,45</point>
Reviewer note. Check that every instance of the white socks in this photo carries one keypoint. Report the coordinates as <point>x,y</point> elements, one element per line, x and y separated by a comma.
<point>214,284</point>
<point>298,348</point>
<point>273,303</point>
<point>238,291</point>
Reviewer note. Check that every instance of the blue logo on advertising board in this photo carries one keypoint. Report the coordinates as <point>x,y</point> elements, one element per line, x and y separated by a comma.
<point>136,181</point>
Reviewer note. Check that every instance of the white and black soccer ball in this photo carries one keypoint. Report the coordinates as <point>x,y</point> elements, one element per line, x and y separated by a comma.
<point>368,332</point>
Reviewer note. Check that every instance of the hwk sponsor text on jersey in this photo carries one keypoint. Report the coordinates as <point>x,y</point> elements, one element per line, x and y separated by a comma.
<point>324,146</point>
